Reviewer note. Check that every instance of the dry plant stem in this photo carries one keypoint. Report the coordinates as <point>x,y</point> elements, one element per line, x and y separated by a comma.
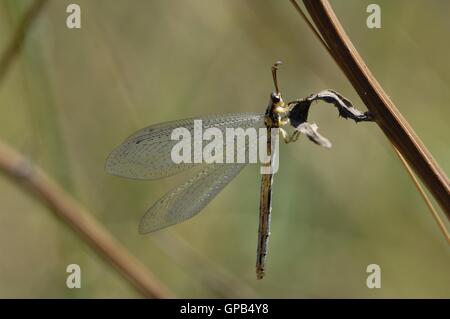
<point>430,206</point>
<point>34,181</point>
<point>20,32</point>
<point>385,113</point>
<point>434,213</point>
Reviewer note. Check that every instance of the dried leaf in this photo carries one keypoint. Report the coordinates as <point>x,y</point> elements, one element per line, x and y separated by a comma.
<point>310,130</point>
<point>300,109</point>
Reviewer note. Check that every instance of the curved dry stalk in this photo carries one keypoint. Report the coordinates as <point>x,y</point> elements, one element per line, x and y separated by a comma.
<point>16,42</point>
<point>34,181</point>
<point>428,202</point>
<point>385,113</point>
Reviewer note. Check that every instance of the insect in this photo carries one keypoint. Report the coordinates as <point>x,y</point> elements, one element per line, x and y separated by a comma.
<point>147,154</point>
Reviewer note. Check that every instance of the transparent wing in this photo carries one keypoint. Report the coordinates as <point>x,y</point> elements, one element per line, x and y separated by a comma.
<point>146,153</point>
<point>188,199</point>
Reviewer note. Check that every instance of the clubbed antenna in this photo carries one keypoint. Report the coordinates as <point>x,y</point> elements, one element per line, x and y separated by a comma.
<point>274,75</point>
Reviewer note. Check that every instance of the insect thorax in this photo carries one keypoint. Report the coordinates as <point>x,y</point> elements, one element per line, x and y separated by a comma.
<point>277,112</point>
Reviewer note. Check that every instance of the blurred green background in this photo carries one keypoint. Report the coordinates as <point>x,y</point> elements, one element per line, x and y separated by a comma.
<point>73,95</point>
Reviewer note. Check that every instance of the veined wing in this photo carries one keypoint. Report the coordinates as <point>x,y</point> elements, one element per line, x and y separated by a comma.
<point>147,153</point>
<point>186,200</point>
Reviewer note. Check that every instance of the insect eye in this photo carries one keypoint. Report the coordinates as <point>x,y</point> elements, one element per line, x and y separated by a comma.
<point>275,97</point>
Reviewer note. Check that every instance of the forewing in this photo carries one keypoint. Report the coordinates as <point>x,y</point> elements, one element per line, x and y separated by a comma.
<point>147,153</point>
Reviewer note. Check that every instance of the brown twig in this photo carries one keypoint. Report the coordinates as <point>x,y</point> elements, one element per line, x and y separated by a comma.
<point>384,112</point>
<point>16,42</point>
<point>34,181</point>
<point>427,201</point>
